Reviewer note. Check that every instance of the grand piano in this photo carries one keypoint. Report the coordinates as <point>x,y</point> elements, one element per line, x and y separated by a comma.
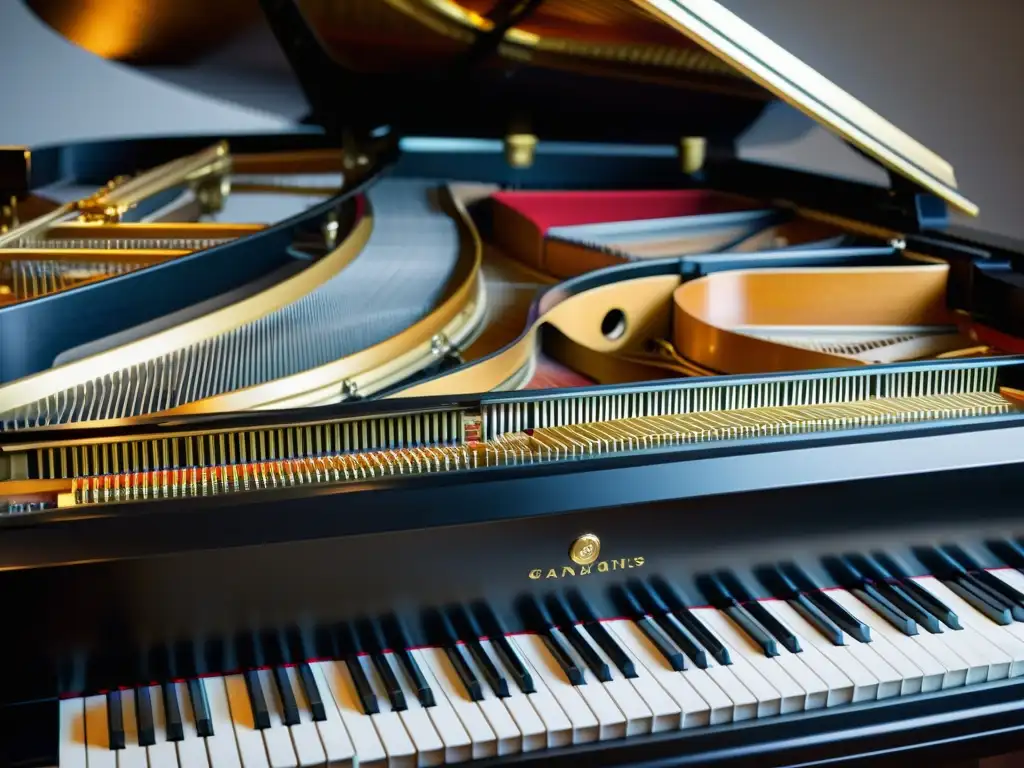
<point>476,425</point>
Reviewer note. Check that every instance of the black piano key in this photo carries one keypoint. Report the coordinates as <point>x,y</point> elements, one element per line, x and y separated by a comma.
<point>944,567</point>
<point>694,626</point>
<point>663,643</point>
<point>513,664</point>
<point>496,632</point>
<point>820,599</point>
<point>289,706</point>
<point>630,606</point>
<point>172,713</point>
<point>922,596</point>
<point>611,647</point>
<point>817,619</point>
<point>682,637</point>
<point>781,587</point>
<point>600,634</point>
<point>144,718</point>
<point>364,690</point>
<point>398,640</point>
<point>559,648</point>
<point>391,685</point>
<point>459,657</point>
<point>759,613</point>
<point>419,682</point>
<point>257,699</point>
<point>861,578</point>
<point>200,707</point>
<point>491,672</point>
<point>1011,597</point>
<point>457,654</point>
<point>935,606</point>
<point>881,605</point>
<point>902,599</point>
<point>597,665</point>
<point>703,635</point>
<point>566,621</point>
<point>470,633</point>
<point>968,591</point>
<point>309,687</point>
<point>1009,551</point>
<point>115,720</point>
<point>536,614</point>
<point>752,629</point>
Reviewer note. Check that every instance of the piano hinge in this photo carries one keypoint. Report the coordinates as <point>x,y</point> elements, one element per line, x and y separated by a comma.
<point>9,215</point>
<point>356,154</point>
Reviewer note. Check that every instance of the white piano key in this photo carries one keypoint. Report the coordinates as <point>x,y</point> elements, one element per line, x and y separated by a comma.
<point>449,686</point>
<point>192,749</point>
<point>835,687</point>
<point>914,678</point>
<point>770,700</point>
<point>161,754</point>
<point>796,667</point>
<point>531,727</point>
<point>458,747</point>
<point>612,722</point>
<point>558,729</point>
<point>132,756</point>
<point>745,704</point>
<point>983,630</point>
<point>1011,576</point>
<point>639,717</point>
<point>585,725</point>
<point>984,661</point>
<point>430,748</point>
<point>939,665</point>
<point>309,750</point>
<point>666,712</point>
<point>890,682</point>
<point>847,679</point>
<point>400,748</point>
<point>1015,579</point>
<point>337,745</point>
<point>510,738</point>
<point>71,749</point>
<point>97,736</point>
<point>276,738</point>
<point>251,748</point>
<point>694,710</point>
<point>366,743</point>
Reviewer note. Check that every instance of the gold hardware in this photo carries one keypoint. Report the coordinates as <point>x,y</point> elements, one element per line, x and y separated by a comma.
<point>205,171</point>
<point>520,149</point>
<point>9,215</point>
<point>354,157</point>
<point>693,152</point>
<point>330,230</point>
<point>585,549</point>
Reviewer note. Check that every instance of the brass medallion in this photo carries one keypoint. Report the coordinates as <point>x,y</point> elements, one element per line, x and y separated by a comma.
<point>585,549</point>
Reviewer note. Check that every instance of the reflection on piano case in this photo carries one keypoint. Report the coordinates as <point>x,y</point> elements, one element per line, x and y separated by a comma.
<point>508,419</point>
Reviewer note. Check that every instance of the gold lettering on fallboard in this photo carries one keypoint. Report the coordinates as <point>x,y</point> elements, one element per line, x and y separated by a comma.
<point>584,552</point>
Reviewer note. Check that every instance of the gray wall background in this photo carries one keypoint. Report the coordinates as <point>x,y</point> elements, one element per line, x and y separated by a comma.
<point>947,72</point>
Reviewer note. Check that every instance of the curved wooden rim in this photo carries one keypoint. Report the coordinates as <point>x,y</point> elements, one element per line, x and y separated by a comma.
<point>711,311</point>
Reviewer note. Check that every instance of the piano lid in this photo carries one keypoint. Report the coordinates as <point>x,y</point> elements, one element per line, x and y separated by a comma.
<point>648,71</point>
<point>731,39</point>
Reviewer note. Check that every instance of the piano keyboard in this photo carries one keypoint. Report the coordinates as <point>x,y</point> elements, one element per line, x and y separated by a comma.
<point>576,679</point>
